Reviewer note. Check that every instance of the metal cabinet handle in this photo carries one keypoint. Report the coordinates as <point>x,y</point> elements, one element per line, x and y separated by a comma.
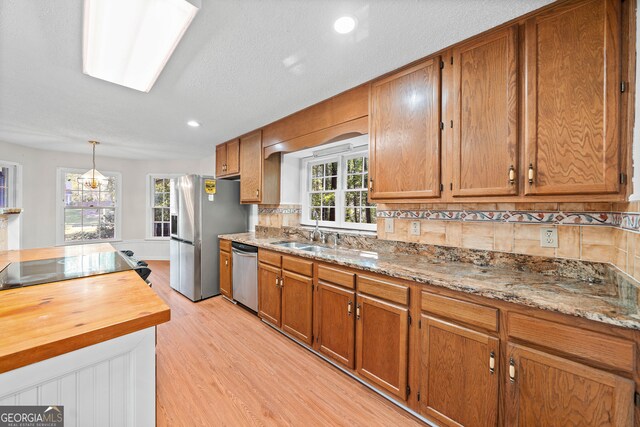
<point>492,362</point>
<point>226,262</point>
<point>358,312</point>
<point>257,193</point>
<point>371,185</point>
<point>512,370</point>
<point>530,173</point>
<point>512,175</point>
<point>349,308</point>
<point>277,281</point>
<point>281,282</point>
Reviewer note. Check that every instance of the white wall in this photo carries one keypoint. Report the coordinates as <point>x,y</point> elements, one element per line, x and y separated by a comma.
<point>39,167</point>
<point>290,180</point>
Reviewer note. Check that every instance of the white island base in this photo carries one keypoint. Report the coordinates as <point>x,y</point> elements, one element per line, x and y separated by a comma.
<point>112,383</point>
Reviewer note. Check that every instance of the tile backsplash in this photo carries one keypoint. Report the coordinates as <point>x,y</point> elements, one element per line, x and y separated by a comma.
<point>603,232</point>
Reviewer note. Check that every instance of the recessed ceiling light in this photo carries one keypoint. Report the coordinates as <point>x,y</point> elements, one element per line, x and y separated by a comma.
<point>193,124</point>
<point>128,42</point>
<point>344,24</point>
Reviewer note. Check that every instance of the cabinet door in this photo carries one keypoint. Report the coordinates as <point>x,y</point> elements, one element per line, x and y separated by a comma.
<point>251,167</point>
<point>459,374</point>
<point>225,274</point>
<point>221,159</point>
<point>545,390</point>
<point>233,157</point>
<point>572,98</point>
<point>297,306</point>
<point>405,134</point>
<point>382,344</point>
<point>269,294</point>
<point>336,328</point>
<point>485,122</point>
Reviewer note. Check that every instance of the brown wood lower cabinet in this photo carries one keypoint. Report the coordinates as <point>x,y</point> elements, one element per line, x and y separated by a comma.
<point>464,363</point>
<point>336,323</point>
<point>269,293</point>
<point>382,344</point>
<point>225,274</point>
<point>285,298</point>
<point>546,390</point>
<point>459,374</point>
<point>297,306</point>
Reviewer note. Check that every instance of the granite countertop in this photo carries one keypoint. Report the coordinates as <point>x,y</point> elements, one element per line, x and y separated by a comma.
<point>613,301</point>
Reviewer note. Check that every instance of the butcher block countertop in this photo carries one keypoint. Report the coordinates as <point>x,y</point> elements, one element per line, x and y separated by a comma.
<point>43,321</point>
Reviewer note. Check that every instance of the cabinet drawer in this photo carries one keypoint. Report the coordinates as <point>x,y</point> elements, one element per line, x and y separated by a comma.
<point>611,351</point>
<point>297,265</point>
<point>225,245</point>
<point>337,277</point>
<point>268,257</point>
<point>462,311</point>
<point>383,289</point>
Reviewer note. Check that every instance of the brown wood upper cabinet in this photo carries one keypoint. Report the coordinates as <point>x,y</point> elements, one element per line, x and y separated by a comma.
<point>485,123</point>
<point>404,120</point>
<point>260,179</point>
<point>228,159</point>
<point>545,390</point>
<point>572,99</point>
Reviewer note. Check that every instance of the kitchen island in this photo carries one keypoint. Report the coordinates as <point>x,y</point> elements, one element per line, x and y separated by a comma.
<point>87,344</point>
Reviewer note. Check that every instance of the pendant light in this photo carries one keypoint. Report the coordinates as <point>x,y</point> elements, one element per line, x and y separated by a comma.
<point>92,178</point>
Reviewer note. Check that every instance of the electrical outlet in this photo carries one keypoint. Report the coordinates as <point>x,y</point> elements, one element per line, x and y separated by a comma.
<point>388,225</point>
<point>549,237</point>
<point>415,228</point>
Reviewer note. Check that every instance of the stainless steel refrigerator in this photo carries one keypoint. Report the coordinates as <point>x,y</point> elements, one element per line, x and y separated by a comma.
<point>201,209</point>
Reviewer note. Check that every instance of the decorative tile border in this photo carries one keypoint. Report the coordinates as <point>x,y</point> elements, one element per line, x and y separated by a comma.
<point>272,211</point>
<point>624,220</point>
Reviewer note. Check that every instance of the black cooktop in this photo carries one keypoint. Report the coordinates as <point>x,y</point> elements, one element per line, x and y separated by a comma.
<point>28,273</point>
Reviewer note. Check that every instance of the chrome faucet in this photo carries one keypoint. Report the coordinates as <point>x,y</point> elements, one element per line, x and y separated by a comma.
<point>316,234</point>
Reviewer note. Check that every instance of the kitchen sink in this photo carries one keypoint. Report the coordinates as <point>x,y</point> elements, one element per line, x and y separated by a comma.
<point>309,247</point>
<point>314,248</point>
<point>293,245</point>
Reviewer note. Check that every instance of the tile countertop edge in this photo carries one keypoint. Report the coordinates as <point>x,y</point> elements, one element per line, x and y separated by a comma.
<point>455,285</point>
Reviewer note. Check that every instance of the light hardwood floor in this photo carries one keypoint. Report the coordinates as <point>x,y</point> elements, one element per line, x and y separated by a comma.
<point>219,365</point>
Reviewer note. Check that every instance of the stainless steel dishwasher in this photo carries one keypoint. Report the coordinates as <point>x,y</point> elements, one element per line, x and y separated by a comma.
<point>245,275</point>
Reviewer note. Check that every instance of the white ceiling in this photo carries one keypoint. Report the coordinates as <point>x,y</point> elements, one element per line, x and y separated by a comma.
<point>241,64</point>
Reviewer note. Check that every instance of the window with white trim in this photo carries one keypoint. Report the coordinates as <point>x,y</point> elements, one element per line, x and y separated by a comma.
<point>335,192</point>
<point>160,201</point>
<point>88,214</point>
<point>8,181</point>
